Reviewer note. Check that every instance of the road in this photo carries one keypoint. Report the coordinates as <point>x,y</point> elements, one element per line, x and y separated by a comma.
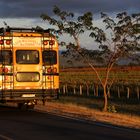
<point>17,124</point>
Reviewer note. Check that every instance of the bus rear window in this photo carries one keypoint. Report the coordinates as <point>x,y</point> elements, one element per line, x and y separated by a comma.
<point>6,57</point>
<point>28,77</point>
<point>49,57</point>
<point>27,56</point>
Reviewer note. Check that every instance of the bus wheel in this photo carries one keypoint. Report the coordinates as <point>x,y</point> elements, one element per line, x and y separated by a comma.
<point>30,106</point>
<point>22,106</point>
<point>26,106</point>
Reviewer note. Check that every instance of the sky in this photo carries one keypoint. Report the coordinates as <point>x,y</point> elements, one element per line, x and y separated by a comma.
<point>26,13</point>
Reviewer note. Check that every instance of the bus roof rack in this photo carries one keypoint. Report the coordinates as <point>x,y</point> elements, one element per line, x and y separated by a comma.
<point>17,29</point>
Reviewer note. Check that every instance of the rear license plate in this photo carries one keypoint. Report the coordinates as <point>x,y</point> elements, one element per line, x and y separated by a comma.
<point>28,95</point>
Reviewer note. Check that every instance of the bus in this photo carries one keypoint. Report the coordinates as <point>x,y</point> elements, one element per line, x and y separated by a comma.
<point>29,66</point>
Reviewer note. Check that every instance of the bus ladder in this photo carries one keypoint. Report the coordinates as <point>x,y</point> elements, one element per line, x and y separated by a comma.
<point>10,81</point>
<point>44,77</point>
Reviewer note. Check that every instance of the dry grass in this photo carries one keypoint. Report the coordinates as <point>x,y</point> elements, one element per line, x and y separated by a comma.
<point>76,111</point>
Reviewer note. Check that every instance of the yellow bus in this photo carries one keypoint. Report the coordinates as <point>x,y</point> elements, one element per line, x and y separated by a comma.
<point>29,65</point>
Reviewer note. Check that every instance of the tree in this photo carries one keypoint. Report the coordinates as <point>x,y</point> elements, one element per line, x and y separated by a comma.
<point>123,40</point>
<point>67,23</point>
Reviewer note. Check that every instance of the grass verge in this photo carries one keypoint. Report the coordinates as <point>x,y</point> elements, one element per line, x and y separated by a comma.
<point>90,109</point>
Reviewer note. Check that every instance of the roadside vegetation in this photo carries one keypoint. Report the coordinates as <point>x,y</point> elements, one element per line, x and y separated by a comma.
<point>121,106</point>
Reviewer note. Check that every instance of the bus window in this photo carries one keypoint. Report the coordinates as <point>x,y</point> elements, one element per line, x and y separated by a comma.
<point>49,57</point>
<point>5,57</point>
<point>27,56</point>
<point>27,77</point>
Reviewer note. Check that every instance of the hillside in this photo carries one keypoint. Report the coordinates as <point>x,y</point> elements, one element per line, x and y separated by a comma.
<point>70,62</point>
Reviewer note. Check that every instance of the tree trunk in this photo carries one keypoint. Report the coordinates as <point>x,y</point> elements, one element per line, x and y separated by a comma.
<point>105,99</point>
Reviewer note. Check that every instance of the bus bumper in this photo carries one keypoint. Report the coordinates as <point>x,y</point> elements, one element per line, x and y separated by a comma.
<point>27,95</point>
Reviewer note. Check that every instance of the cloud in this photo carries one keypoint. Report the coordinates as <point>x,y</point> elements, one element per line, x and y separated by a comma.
<point>26,13</point>
<point>34,8</point>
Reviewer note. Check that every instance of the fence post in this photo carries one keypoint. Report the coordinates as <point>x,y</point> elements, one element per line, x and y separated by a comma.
<point>87,87</point>
<point>128,92</point>
<point>96,90</point>
<point>66,86</point>
<point>108,92</point>
<point>138,93</point>
<point>81,92</point>
<point>59,90</point>
<point>74,89</point>
<point>119,95</point>
<point>64,89</point>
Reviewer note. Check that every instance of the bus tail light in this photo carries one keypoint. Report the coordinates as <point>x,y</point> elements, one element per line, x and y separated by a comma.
<point>8,42</point>
<point>45,42</point>
<point>1,42</point>
<point>49,70</point>
<point>52,70</point>
<point>51,42</point>
<point>5,70</point>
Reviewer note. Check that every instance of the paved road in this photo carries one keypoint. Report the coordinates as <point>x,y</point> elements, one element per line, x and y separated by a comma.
<point>31,125</point>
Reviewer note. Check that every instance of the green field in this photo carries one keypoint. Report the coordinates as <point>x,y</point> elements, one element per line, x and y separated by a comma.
<point>125,81</point>
<point>118,75</point>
